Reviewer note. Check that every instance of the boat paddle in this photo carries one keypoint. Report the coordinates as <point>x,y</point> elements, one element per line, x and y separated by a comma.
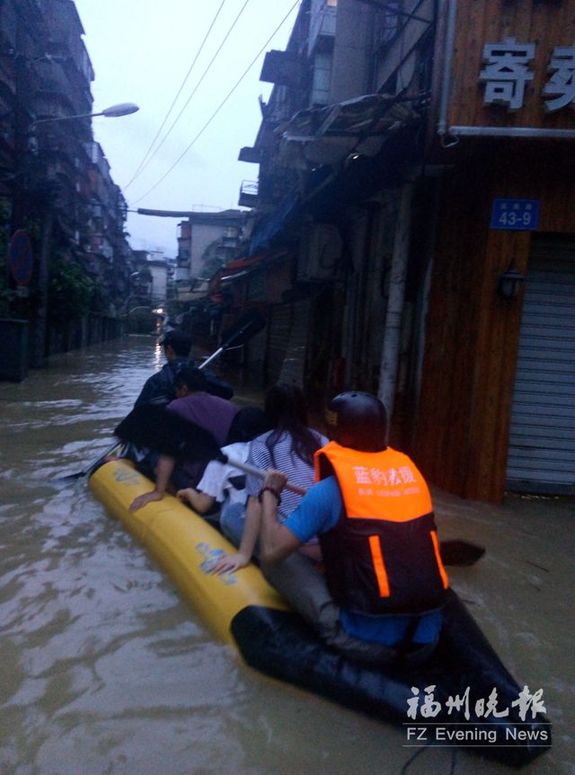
<point>242,331</point>
<point>115,449</point>
<point>248,325</point>
<point>168,433</point>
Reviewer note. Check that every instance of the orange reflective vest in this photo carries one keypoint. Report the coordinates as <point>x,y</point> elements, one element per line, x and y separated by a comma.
<point>383,554</point>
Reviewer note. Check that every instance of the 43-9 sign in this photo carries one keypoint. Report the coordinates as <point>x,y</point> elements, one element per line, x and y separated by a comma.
<point>515,214</point>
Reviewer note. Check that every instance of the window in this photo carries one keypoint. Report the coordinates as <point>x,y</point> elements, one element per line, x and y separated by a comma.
<point>321,79</point>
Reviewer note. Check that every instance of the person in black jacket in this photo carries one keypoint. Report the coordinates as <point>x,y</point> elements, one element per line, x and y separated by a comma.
<point>160,388</point>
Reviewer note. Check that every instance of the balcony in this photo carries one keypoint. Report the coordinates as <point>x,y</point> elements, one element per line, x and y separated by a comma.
<point>284,68</point>
<point>248,193</point>
<point>250,154</point>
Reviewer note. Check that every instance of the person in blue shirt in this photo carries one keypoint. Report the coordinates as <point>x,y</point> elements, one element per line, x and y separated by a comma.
<point>381,595</point>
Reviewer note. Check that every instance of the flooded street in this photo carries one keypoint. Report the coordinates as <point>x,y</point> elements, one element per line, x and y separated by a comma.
<point>105,671</point>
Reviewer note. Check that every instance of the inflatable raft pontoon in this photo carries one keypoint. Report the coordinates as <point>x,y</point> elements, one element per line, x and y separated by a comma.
<point>458,698</point>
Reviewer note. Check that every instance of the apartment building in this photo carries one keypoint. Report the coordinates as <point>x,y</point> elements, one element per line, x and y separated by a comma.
<point>56,190</point>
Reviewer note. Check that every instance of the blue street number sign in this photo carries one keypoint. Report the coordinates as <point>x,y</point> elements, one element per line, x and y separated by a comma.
<point>515,214</point>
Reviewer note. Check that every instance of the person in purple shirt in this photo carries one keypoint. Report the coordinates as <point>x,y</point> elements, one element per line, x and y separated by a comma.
<point>194,404</point>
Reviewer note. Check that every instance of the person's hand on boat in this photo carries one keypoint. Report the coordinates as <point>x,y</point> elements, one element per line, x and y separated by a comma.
<point>186,495</point>
<point>144,499</point>
<point>229,563</point>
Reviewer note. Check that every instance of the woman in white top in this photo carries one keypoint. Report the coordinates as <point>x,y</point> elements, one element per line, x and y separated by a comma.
<point>223,483</point>
<point>290,448</point>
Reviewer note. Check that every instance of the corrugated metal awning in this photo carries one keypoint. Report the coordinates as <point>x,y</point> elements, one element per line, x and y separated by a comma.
<point>327,135</point>
<point>241,267</point>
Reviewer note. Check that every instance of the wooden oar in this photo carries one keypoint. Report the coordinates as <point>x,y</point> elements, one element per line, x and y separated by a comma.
<point>246,327</point>
<point>170,434</point>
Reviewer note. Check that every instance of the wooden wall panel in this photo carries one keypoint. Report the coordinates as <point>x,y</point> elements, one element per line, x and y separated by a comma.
<point>494,369</point>
<point>472,334</point>
<point>447,386</point>
<point>548,24</point>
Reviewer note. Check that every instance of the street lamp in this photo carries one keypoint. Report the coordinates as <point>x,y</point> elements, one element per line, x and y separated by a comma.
<point>114,111</point>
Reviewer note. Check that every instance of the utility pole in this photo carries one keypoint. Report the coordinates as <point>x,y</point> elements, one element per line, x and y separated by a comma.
<point>390,352</point>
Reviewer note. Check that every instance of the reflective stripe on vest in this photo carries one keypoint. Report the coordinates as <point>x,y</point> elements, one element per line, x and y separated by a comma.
<point>379,566</point>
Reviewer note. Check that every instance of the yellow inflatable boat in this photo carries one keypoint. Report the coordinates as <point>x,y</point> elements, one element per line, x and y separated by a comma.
<point>242,609</point>
<point>186,547</point>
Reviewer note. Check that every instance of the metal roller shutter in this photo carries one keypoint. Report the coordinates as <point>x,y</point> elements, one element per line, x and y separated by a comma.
<point>288,332</point>
<point>293,366</point>
<point>542,441</point>
<point>279,330</point>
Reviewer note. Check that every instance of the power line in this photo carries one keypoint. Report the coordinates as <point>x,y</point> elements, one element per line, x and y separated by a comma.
<point>147,154</point>
<point>220,106</point>
<point>165,137</point>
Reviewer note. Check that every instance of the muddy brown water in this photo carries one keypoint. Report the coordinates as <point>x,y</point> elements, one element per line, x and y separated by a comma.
<point>105,671</point>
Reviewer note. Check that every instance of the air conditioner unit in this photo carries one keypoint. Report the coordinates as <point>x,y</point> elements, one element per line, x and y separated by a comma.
<point>319,253</point>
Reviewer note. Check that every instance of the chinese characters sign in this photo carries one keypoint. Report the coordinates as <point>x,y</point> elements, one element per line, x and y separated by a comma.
<point>507,70</point>
<point>561,85</point>
<point>515,214</point>
<point>385,483</point>
<point>389,477</point>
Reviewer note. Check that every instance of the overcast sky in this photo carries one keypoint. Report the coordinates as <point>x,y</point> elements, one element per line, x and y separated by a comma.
<point>141,51</point>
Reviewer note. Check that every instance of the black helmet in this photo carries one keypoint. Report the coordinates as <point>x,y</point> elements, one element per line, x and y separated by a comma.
<point>358,420</point>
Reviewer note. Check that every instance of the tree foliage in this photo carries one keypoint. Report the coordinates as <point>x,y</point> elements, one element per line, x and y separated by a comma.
<point>71,290</point>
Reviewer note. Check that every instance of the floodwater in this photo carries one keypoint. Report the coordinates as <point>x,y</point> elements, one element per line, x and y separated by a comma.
<point>105,671</point>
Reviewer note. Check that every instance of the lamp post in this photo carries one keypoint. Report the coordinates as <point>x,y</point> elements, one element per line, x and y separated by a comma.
<point>114,111</point>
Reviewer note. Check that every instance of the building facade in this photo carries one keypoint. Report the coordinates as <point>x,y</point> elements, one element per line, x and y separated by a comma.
<point>56,191</point>
<point>205,241</point>
<point>425,217</point>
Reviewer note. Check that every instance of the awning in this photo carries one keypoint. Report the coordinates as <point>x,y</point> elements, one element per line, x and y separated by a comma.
<point>318,141</point>
<point>241,267</point>
<point>328,135</point>
<point>272,225</point>
<point>238,264</point>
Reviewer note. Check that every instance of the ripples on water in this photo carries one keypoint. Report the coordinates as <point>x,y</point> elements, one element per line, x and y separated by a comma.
<point>103,669</point>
